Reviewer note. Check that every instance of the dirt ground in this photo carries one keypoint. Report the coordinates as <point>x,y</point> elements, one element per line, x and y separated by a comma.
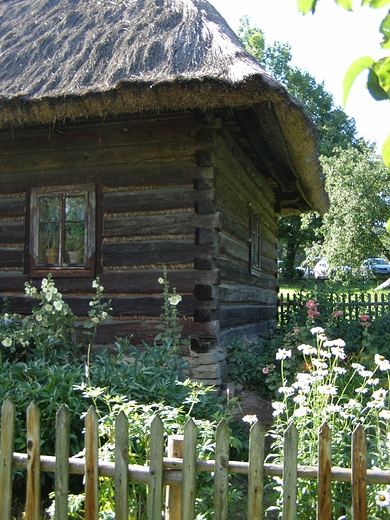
<point>250,403</point>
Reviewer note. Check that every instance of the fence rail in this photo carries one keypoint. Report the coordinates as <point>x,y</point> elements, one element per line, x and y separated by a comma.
<point>177,473</point>
<point>352,305</point>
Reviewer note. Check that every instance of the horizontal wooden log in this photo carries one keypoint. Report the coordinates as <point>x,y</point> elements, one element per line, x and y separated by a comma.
<point>152,306</point>
<point>172,224</point>
<point>74,157</point>
<point>233,249</point>
<point>156,199</point>
<point>11,232</point>
<point>147,331</point>
<point>11,257</point>
<point>12,281</point>
<point>239,293</point>
<point>124,282</point>
<point>137,175</point>
<point>101,134</point>
<point>12,207</point>
<point>203,291</point>
<point>237,273</point>
<point>153,252</point>
<point>234,316</point>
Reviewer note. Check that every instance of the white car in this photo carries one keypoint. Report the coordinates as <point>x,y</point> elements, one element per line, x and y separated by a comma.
<point>320,269</point>
<point>376,266</point>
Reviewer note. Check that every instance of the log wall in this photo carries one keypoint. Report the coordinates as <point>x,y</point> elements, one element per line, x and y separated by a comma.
<point>172,192</point>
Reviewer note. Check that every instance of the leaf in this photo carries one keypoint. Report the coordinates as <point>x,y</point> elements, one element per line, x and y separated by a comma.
<point>375,4</point>
<point>379,79</point>
<point>304,6</point>
<point>353,72</point>
<point>374,87</point>
<point>386,154</point>
<point>347,4</point>
<point>384,28</point>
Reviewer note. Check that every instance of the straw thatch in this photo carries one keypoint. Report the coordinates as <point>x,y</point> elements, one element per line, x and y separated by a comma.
<point>63,59</point>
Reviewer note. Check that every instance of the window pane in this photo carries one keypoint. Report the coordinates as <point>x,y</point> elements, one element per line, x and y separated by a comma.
<point>74,242</point>
<point>75,208</point>
<point>48,243</point>
<point>49,208</point>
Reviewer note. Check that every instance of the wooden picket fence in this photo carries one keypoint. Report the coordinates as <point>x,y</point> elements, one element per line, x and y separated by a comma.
<point>177,471</point>
<point>352,305</point>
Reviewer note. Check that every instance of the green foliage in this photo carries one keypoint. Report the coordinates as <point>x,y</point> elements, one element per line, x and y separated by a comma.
<point>378,80</point>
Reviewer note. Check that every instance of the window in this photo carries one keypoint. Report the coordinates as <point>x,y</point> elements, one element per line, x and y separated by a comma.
<point>255,250</point>
<point>63,227</point>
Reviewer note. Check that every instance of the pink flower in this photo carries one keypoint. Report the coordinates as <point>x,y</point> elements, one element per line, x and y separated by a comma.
<point>265,370</point>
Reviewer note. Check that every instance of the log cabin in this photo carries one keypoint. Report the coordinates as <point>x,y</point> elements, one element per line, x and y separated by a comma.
<point>138,136</point>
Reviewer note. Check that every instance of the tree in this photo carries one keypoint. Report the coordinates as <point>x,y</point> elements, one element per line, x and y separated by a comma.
<point>378,79</point>
<point>335,128</point>
<point>358,184</point>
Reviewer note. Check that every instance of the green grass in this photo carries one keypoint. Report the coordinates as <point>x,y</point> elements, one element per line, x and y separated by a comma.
<point>294,286</point>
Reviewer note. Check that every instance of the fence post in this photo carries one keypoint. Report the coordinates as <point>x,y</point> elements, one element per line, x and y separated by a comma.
<point>62,463</point>
<point>324,476</point>
<point>121,468</point>
<point>221,475</point>
<point>33,499</point>
<point>173,506</point>
<point>155,469</point>
<point>290,464</point>
<point>91,465</point>
<point>359,474</point>
<point>6,455</point>
<point>256,472</point>
<point>189,471</point>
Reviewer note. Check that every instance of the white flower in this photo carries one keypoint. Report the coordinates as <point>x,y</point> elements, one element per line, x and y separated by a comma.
<point>383,499</point>
<point>358,367</point>
<point>317,330</point>
<point>278,408</point>
<point>48,307</point>
<point>382,362</point>
<point>307,350</point>
<point>161,280</point>
<point>282,353</point>
<point>104,315</point>
<point>338,351</point>
<point>365,373</point>
<point>175,299</point>
<point>385,414</point>
<point>319,364</point>
<point>7,342</point>
<point>58,305</point>
<point>339,370</point>
<point>333,408</point>
<point>301,411</point>
<point>379,394</point>
<point>325,354</point>
<point>376,403</point>
<point>250,419</point>
<point>327,389</point>
<point>299,399</point>
<point>38,317</point>
<point>361,390</point>
<point>44,282</point>
<point>373,381</point>
<point>286,390</point>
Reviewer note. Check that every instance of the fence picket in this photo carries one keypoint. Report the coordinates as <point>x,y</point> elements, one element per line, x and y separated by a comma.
<point>155,469</point>
<point>324,510</point>
<point>290,464</point>
<point>173,500</point>
<point>221,475</point>
<point>359,474</point>
<point>91,465</point>
<point>7,448</point>
<point>33,488</point>
<point>189,471</point>
<point>62,463</point>
<point>256,472</point>
<point>121,472</point>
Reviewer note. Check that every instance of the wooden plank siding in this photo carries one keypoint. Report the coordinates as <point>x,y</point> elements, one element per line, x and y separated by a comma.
<point>247,301</point>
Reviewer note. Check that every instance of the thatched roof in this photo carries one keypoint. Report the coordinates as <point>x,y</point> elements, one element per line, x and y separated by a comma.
<point>63,59</point>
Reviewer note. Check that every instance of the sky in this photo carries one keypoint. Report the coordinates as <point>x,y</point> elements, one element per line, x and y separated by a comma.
<point>324,44</point>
